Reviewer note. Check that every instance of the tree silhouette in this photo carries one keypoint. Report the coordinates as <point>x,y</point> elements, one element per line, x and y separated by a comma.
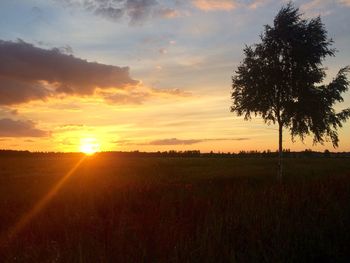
<point>281,79</point>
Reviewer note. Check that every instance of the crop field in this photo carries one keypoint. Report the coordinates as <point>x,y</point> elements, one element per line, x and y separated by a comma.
<point>103,208</point>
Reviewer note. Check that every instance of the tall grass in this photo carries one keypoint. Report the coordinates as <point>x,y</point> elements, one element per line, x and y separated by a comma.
<point>177,210</point>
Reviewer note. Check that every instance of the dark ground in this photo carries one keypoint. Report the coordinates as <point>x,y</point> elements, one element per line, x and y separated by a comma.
<point>134,209</point>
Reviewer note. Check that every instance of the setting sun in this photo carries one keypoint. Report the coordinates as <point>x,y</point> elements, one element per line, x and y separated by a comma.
<point>89,146</point>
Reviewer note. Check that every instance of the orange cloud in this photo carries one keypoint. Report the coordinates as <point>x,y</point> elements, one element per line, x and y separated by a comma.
<point>345,2</point>
<point>227,5</point>
<point>168,13</point>
<point>211,5</point>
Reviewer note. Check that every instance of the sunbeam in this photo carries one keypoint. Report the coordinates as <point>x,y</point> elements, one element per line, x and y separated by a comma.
<point>39,206</point>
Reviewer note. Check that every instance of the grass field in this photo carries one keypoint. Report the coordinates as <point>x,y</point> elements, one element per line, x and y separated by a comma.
<point>135,209</point>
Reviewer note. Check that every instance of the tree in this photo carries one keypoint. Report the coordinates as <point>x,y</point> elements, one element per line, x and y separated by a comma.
<point>281,80</point>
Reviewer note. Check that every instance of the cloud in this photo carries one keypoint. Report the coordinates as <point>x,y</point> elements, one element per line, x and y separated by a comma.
<point>212,5</point>
<point>66,49</point>
<point>28,140</point>
<point>42,82</point>
<point>5,111</point>
<point>70,127</point>
<point>138,97</point>
<point>126,98</point>
<point>139,10</point>
<point>67,141</point>
<point>168,13</point>
<point>163,51</point>
<point>123,142</point>
<point>14,91</point>
<point>174,141</point>
<point>172,92</point>
<point>226,5</point>
<point>30,73</point>
<point>20,128</point>
<point>135,11</point>
<point>322,7</point>
<point>110,12</point>
<point>317,7</point>
<point>256,3</point>
<point>344,2</point>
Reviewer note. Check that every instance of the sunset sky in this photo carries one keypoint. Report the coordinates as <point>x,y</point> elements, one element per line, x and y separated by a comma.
<point>142,75</point>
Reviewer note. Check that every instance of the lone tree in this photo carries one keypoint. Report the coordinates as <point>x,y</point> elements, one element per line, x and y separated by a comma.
<point>281,79</point>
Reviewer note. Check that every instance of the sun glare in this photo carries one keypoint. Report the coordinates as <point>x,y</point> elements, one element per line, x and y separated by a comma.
<point>89,146</point>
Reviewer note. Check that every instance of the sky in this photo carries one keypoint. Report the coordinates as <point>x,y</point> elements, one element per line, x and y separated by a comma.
<point>148,75</point>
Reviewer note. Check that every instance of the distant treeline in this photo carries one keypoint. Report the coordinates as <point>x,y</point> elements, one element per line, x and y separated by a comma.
<point>194,153</point>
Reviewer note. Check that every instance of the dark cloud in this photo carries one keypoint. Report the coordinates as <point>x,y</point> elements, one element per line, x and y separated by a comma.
<point>139,10</point>
<point>13,91</point>
<point>228,139</point>
<point>66,49</point>
<point>29,73</point>
<point>110,13</point>
<point>175,141</point>
<point>135,11</point>
<point>20,128</point>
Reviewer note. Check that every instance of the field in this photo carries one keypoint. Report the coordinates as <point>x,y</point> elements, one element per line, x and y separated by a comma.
<point>157,209</point>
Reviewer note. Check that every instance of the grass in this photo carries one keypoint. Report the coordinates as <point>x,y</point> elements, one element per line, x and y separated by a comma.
<point>176,210</point>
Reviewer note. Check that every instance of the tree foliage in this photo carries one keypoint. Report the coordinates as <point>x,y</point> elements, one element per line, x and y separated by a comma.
<point>282,78</point>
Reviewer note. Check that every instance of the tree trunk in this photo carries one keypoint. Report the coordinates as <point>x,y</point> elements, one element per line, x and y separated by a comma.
<point>280,151</point>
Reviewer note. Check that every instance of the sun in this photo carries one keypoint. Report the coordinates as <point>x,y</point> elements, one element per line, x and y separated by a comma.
<point>89,146</point>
